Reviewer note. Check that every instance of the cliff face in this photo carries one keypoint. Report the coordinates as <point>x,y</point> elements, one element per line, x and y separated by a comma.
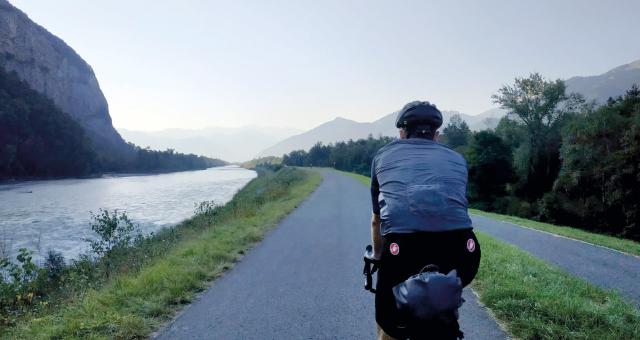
<point>54,69</point>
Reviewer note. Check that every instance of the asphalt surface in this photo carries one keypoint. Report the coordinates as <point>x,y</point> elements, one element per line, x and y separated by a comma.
<point>603,267</point>
<point>304,280</point>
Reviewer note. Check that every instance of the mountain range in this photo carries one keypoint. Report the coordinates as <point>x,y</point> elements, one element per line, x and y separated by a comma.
<point>609,84</point>
<point>231,144</point>
<point>342,129</point>
<point>597,88</point>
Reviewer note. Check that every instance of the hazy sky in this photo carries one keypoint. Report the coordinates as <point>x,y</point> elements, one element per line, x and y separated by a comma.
<point>191,64</point>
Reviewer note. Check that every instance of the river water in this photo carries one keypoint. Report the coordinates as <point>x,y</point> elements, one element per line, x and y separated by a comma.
<point>44,215</point>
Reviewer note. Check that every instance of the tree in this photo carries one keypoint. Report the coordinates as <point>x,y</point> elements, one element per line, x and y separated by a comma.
<point>36,138</point>
<point>295,158</point>
<point>490,170</point>
<point>457,132</point>
<point>353,156</point>
<point>599,184</point>
<point>511,132</point>
<point>541,107</point>
<point>319,155</point>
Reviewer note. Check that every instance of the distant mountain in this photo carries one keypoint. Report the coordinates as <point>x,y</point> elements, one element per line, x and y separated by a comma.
<point>230,144</point>
<point>332,131</point>
<point>612,83</point>
<point>341,129</point>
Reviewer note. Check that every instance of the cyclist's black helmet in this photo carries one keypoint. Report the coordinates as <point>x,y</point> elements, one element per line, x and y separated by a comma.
<point>419,114</point>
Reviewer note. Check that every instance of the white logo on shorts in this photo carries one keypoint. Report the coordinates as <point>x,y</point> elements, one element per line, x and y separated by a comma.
<point>471,245</point>
<point>394,248</point>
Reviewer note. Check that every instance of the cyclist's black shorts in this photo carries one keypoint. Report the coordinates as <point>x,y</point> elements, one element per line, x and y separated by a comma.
<point>448,250</point>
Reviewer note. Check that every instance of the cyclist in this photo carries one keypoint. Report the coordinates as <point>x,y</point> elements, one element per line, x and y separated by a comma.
<point>418,193</point>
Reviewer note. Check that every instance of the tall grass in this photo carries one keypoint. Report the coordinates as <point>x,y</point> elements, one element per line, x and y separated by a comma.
<point>164,272</point>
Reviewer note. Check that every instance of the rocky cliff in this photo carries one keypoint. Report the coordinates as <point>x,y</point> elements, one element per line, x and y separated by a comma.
<point>54,69</point>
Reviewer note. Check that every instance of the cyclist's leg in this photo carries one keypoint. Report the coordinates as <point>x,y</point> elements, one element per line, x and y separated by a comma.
<point>394,269</point>
<point>467,255</point>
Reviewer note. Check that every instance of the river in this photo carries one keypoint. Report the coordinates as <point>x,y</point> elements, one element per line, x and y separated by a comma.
<point>44,215</point>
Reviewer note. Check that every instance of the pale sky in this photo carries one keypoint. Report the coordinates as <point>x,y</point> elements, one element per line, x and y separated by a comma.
<point>191,64</point>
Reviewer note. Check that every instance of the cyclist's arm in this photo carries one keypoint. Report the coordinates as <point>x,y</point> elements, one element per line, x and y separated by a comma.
<point>376,238</point>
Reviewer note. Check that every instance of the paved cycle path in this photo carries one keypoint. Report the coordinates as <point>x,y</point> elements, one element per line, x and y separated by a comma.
<point>601,266</point>
<point>304,280</point>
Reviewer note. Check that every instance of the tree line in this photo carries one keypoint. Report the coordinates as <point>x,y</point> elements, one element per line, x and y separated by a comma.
<point>354,155</point>
<point>554,157</point>
<point>39,140</point>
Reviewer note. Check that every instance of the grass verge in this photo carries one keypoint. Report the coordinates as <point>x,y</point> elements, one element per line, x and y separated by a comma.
<point>538,301</point>
<point>363,179</point>
<point>535,300</point>
<point>623,245</point>
<point>133,304</point>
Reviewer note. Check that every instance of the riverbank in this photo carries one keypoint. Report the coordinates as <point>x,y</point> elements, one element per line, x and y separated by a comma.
<point>171,267</point>
<point>31,179</point>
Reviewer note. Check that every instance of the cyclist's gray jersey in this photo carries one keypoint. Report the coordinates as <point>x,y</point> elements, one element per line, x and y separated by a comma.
<point>419,185</point>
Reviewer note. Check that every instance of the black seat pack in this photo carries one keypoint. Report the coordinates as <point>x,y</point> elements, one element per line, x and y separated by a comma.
<point>429,302</point>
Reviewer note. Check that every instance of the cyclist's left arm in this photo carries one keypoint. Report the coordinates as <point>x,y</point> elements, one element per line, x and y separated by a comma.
<point>376,237</point>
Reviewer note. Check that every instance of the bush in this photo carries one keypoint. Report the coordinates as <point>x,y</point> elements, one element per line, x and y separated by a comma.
<point>206,208</point>
<point>115,231</point>
<point>21,283</point>
<point>55,266</point>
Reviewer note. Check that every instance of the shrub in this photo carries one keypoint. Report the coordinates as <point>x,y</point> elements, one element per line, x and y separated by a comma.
<point>116,233</point>
<point>206,208</point>
<point>55,266</point>
<point>21,283</point>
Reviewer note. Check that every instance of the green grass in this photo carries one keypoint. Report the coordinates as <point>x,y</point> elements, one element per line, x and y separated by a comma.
<point>535,300</point>
<point>134,304</point>
<point>538,301</point>
<point>624,245</point>
<point>363,179</point>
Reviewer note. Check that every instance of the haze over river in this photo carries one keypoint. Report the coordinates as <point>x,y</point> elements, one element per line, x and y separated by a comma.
<point>43,215</point>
